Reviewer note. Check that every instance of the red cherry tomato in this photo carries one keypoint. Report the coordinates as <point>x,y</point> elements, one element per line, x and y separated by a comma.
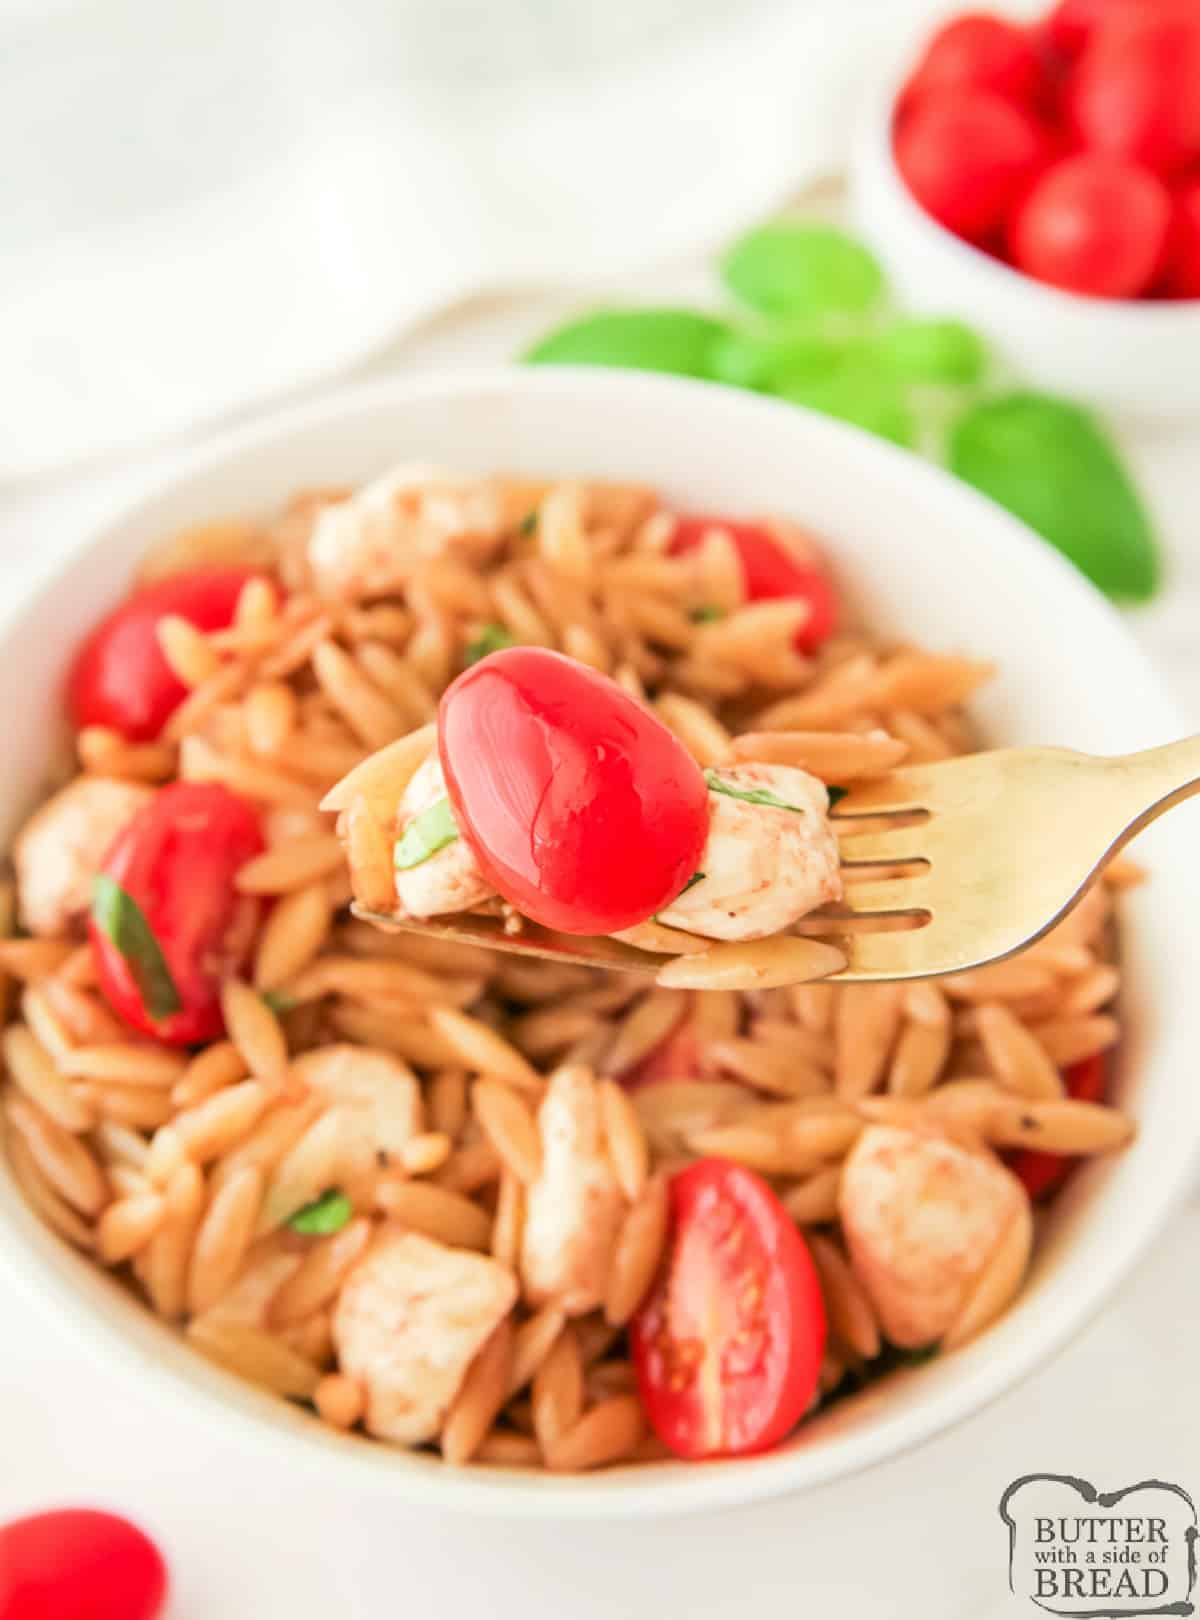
<point>964,156</point>
<point>769,572</point>
<point>728,1346</point>
<point>1136,91</point>
<point>173,866</point>
<point>1044,1173</point>
<point>1072,24</point>
<point>1093,224</point>
<point>79,1564</point>
<point>982,52</point>
<point>120,678</point>
<point>1181,277</point>
<point>581,807</point>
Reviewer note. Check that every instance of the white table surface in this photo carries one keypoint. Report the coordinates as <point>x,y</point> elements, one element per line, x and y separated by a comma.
<point>920,1535</point>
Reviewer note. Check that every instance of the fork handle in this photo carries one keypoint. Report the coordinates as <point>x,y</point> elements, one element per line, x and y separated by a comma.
<point>1158,779</point>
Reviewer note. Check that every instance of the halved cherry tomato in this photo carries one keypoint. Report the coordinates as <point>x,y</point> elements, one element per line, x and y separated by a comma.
<point>120,678</point>
<point>983,52</point>
<point>167,924</point>
<point>770,573</point>
<point>1044,1173</point>
<point>728,1346</point>
<point>1093,224</point>
<point>964,155</point>
<point>582,809</point>
<point>79,1564</point>
<point>1136,91</point>
<point>1181,276</point>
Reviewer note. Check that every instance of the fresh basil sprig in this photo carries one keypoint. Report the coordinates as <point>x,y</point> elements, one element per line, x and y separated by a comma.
<point>119,918</point>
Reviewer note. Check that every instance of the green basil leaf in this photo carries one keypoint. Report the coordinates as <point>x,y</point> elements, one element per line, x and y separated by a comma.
<point>836,795</point>
<point>324,1215</point>
<point>789,267</point>
<point>528,524</point>
<point>764,360</point>
<point>492,638</point>
<point>425,834</point>
<point>751,795</point>
<point>119,918</point>
<point>1050,464</point>
<point>705,614</point>
<point>863,398</point>
<point>931,351</point>
<point>279,1001</point>
<point>673,340</point>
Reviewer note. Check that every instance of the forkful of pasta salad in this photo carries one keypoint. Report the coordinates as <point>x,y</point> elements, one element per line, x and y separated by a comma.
<point>550,813</point>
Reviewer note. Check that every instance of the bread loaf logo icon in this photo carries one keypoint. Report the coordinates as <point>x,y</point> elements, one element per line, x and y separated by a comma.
<point>1074,1550</point>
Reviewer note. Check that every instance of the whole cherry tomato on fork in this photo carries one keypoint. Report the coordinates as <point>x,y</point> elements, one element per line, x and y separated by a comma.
<point>582,809</point>
<point>120,677</point>
<point>167,923</point>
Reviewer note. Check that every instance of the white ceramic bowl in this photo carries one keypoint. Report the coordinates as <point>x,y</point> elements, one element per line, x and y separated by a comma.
<point>1139,358</point>
<point>926,558</point>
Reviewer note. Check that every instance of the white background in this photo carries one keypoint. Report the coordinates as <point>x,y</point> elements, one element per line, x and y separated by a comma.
<point>919,1536</point>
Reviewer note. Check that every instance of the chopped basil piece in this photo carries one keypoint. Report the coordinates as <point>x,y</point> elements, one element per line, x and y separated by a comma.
<point>490,639</point>
<point>753,796</point>
<point>836,795</point>
<point>706,614</point>
<point>324,1215</point>
<point>529,523</point>
<point>425,834</point>
<point>279,1001</point>
<point>119,917</point>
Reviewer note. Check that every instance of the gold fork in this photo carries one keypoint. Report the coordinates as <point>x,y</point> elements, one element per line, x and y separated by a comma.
<point>947,866</point>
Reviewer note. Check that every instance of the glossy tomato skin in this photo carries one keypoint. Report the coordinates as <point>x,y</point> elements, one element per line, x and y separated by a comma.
<point>1044,1173</point>
<point>1073,24</point>
<point>1093,224</point>
<point>981,51</point>
<point>177,859</point>
<point>79,1564</point>
<point>727,1348</point>
<point>1136,91</point>
<point>965,155</point>
<point>769,573</point>
<point>582,809</point>
<point>120,678</point>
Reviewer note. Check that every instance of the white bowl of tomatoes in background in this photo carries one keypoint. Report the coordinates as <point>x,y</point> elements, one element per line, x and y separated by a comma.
<point>1037,172</point>
<point>922,557</point>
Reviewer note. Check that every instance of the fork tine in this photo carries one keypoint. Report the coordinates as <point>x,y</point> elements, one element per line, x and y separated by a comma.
<point>892,844</point>
<point>902,791</point>
<point>886,895</point>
